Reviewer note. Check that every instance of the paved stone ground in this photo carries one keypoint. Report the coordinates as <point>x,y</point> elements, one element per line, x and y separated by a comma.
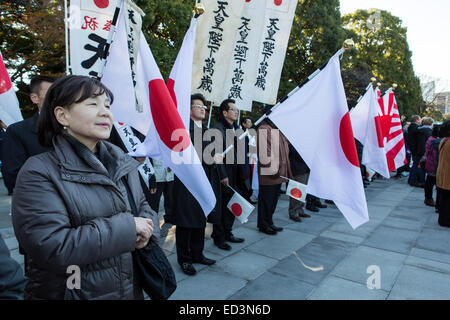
<point>402,239</point>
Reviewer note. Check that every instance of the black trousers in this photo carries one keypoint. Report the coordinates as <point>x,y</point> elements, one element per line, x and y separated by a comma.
<point>165,188</point>
<point>430,182</point>
<point>267,203</point>
<point>223,229</point>
<point>444,208</point>
<point>190,243</point>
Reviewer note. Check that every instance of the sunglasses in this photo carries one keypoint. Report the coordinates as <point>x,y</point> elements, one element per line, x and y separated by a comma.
<point>199,106</point>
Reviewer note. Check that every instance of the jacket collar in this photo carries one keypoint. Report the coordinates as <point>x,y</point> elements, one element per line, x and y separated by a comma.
<point>74,157</point>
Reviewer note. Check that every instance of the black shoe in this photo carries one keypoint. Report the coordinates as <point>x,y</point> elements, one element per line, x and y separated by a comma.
<point>205,261</point>
<point>188,268</point>
<point>296,219</point>
<point>223,246</point>
<point>320,205</point>
<point>268,231</point>
<point>304,215</point>
<point>234,239</point>
<point>329,201</point>
<point>312,208</point>
<point>277,229</point>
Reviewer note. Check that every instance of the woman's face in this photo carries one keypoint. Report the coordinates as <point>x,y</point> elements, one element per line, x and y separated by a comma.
<point>89,121</point>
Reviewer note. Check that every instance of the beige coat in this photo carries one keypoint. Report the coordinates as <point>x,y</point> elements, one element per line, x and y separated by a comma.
<point>273,160</point>
<point>443,171</point>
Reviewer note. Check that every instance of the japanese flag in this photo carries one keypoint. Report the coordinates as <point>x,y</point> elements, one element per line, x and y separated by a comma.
<point>296,190</point>
<point>240,207</point>
<point>167,139</point>
<point>325,140</point>
<point>9,105</point>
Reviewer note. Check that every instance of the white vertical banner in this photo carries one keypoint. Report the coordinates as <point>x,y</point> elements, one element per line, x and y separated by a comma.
<point>89,26</point>
<point>276,31</point>
<point>216,33</point>
<point>242,69</point>
<point>240,50</point>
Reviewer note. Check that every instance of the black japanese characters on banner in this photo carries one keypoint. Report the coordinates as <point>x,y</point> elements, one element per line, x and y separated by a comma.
<point>215,39</point>
<point>267,52</point>
<point>240,56</point>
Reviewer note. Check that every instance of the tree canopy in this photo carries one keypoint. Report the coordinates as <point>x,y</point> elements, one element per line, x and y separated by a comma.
<point>382,46</point>
<point>32,41</point>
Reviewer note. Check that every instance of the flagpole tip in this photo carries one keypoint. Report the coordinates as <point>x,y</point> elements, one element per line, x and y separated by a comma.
<point>394,86</point>
<point>378,84</point>
<point>348,44</point>
<point>199,9</point>
<point>373,80</point>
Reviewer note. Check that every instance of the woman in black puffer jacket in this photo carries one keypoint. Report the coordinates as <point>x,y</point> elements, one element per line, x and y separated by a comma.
<point>70,207</point>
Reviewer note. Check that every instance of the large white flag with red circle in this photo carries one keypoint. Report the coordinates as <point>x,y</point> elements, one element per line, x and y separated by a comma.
<point>316,121</point>
<point>167,139</point>
<point>392,131</point>
<point>9,105</point>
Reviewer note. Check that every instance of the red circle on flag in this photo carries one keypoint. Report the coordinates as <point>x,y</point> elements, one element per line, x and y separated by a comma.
<point>296,193</point>
<point>5,82</point>
<point>278,2</point>
<point>167,120</point>
<point>236,209</point>
<point>347,140</point>
<point>102,4</point>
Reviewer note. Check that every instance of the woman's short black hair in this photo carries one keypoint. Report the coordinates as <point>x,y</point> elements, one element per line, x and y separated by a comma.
<point>64,92</point>
<point>198,96</point>
<point>224,106</point>
<point>444,132</point>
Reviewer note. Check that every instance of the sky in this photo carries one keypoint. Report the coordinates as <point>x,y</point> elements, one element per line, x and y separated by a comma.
<point>428,24</point>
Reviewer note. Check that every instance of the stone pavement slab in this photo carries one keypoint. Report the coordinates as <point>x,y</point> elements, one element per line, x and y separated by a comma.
<point>392,239</point>
<point>356,265</point>
<point>271,286</point>
<point>434,240</point>
<point>208,284</point>
<point>282,245</point>
<point>334,288</point>
<point>418,283</point>
<point>323,252</point>
<point>246,265</point>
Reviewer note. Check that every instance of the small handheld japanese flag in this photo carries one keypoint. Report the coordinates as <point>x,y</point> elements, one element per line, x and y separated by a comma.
<point>240,207</point>
<point>296,190</point>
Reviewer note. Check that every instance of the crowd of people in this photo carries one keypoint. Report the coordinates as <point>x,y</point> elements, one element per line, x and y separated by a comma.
<point>78,199</point>
<point>427,148</point>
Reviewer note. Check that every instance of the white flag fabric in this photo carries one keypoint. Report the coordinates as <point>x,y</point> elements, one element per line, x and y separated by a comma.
<point>179,82</point>
<point>240,207</point>
<point>365,121</point>
<point>9,105</point>
<point>296,190</point>
<point>117,76</point>
<point>167,140</point>
<point>254,167</point>
<point>395,142</point>
<point>325,141</point>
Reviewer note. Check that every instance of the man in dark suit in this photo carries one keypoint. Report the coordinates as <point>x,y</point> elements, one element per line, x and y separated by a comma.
<point>228,171</point>
<point>21,141</point>
<point>414,179</point>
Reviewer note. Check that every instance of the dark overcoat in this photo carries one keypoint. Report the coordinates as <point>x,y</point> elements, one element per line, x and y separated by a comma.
<point>187,212</point>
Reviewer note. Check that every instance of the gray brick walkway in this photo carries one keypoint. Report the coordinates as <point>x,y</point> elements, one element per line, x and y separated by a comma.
<point>402,238</point>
